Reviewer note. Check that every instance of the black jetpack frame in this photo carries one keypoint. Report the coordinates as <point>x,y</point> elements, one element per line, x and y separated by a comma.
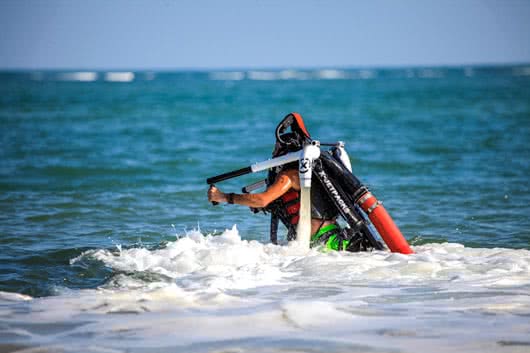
<point>332,170</point>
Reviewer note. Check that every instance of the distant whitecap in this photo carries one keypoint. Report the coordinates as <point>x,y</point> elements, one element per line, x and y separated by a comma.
<point>294,75</point>
<point>288,75</point>
<point>367,74</point>
<point>227,76</point>
<point>78,76</point>
<point>263,75</point>
<point>119,76</point>
<point>329,74</point>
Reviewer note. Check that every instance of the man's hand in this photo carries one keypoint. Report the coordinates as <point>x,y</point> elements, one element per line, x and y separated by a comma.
<point>284,182</point>
<point>214,194</point>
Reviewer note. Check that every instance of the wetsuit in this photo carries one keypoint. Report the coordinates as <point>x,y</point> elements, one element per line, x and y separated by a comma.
<point>330,236</point>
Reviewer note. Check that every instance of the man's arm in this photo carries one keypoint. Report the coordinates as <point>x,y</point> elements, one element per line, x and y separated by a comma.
<point>284,182</point>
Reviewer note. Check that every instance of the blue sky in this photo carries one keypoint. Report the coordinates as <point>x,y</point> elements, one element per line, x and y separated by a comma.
<point>133,34</point>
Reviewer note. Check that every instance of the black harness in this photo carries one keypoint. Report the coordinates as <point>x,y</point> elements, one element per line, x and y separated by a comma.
<point>284,209</point>
<point>338,201</point>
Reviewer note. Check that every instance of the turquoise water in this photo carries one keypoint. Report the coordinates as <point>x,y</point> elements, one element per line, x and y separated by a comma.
<point>93,164</point>
<point>87,166</point>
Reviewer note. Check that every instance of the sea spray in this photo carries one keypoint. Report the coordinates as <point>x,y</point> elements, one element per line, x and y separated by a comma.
<point>234,289</point>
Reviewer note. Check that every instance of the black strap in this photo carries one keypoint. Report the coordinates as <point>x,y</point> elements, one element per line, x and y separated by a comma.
<point>230,198</point>
<point>274,229</point>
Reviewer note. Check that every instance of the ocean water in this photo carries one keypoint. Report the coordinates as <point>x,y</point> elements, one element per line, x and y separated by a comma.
<point>108,243</point>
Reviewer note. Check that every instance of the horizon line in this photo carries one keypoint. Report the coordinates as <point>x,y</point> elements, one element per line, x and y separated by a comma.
<point>270,68</point>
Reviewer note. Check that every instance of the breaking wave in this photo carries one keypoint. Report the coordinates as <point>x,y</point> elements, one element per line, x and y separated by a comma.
<point>203,290</point>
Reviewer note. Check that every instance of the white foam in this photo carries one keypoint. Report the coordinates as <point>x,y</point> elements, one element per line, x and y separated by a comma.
<point>263,75</point>
<point>199,289</point>
<point>367,74</point>
<point>330,74</point>
<point>227,76</point>
<point>294,75</point>
<point>78,76</point>
<point>119,76</point>
<point>279,75</point>
<point>222,262</point>
<point>227,262</point>
<point>13,297</point>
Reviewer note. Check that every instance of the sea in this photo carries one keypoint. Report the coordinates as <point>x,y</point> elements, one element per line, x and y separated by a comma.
<point>109,244</point>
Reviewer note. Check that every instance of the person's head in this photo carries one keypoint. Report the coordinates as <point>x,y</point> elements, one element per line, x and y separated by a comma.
<point>290,141</point>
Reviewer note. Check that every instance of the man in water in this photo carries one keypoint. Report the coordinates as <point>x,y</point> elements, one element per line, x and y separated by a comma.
<point>282,196</point>
<point>335,191</point>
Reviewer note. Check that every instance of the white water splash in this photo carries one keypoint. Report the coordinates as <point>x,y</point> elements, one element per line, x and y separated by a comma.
<point>204,293</point>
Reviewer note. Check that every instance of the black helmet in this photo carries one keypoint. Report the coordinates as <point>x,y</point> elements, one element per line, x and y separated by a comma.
<point>290,141</point>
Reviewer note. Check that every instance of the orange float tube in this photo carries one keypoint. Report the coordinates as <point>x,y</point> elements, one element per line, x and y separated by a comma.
<point>384,224</point>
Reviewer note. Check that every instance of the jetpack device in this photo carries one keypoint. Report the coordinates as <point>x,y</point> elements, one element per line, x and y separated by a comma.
<point>331,172</point>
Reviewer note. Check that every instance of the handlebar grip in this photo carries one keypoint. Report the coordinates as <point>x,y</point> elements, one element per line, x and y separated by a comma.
<point>229,175</point>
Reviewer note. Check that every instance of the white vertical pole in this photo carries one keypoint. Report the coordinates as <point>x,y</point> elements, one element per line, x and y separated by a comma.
<point>309,154</point>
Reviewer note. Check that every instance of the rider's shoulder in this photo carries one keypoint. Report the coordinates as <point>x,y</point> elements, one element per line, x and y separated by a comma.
<point>290,173</point>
